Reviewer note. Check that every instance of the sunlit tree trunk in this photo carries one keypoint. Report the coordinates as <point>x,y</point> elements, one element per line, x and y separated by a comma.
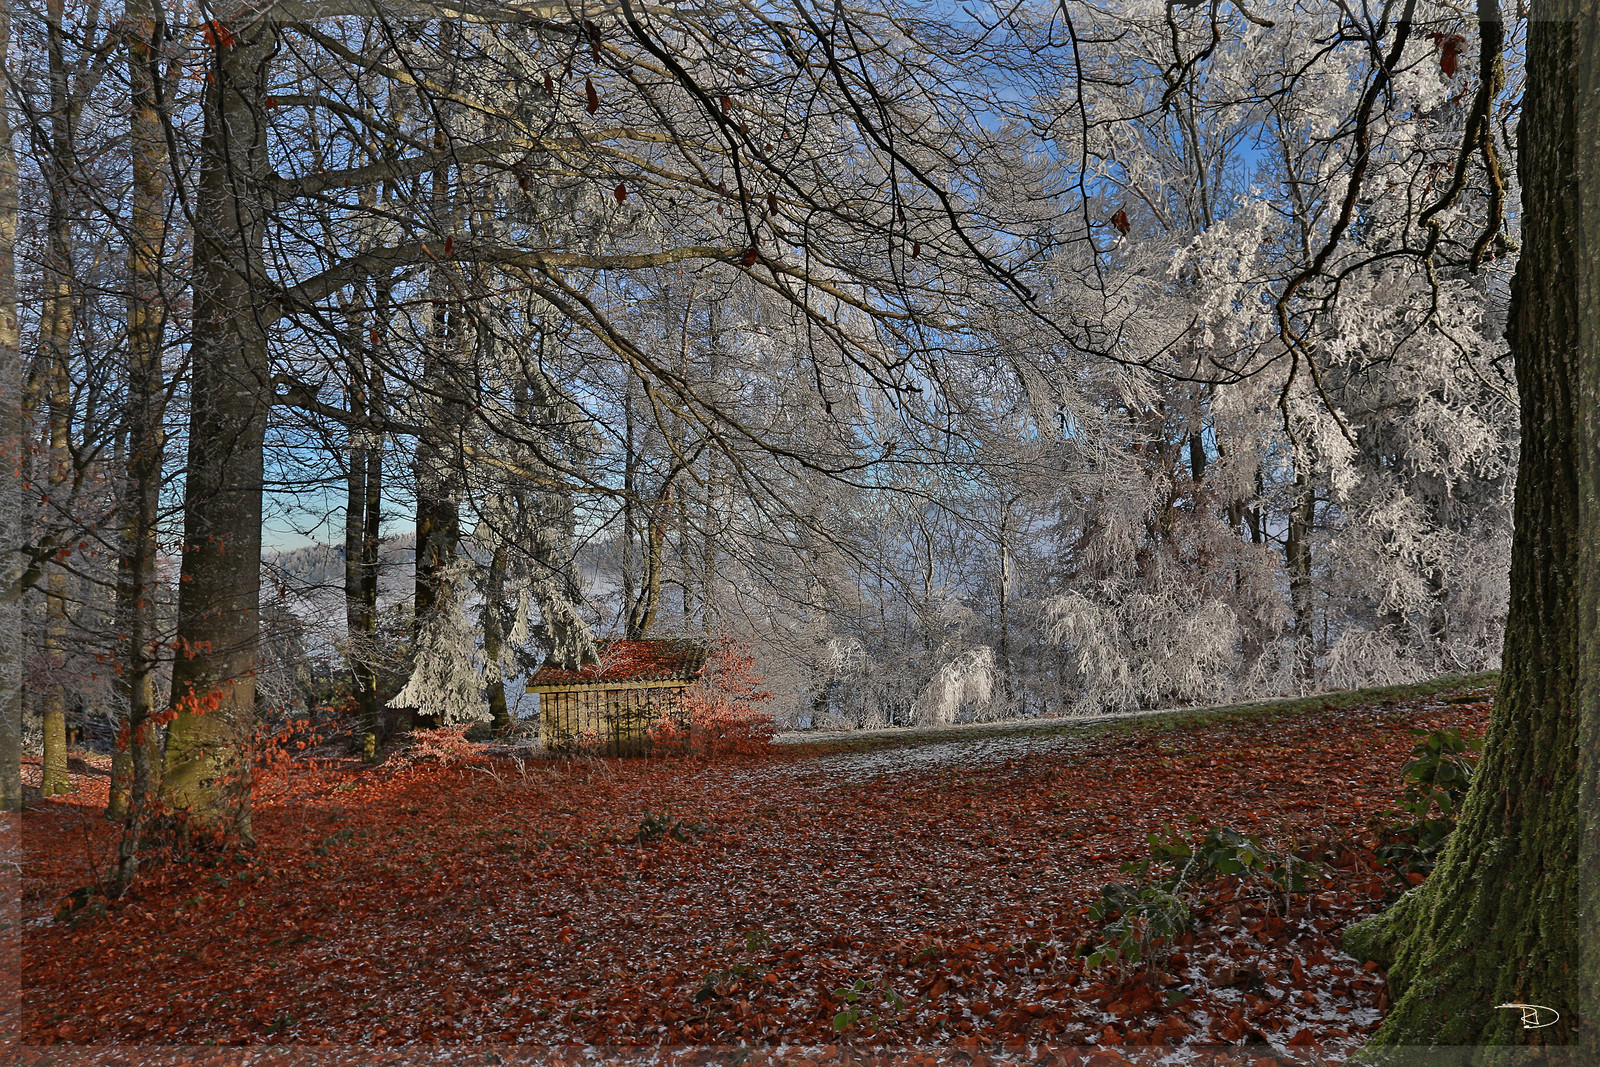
<point>56,330</point>
<point>1510,914</point>
<point>438,514</point>
<point>146,441</point>
<point>12,425</point>
<point>437,458</point>
<point>213,680</point>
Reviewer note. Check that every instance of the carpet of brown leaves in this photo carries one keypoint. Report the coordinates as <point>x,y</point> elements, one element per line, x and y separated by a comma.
<point>692,904</point>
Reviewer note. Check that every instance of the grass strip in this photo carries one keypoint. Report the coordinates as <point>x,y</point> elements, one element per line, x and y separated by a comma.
<point>1154,719</point>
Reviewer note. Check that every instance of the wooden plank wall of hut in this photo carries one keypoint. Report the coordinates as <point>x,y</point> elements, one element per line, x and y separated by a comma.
<point>604,721</point>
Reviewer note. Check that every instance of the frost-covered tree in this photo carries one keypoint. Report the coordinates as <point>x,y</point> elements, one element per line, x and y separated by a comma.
<point>447,681</point>
<point>1095,357</point>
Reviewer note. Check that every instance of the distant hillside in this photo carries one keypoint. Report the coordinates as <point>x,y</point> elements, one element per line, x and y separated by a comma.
<point>317,565</point>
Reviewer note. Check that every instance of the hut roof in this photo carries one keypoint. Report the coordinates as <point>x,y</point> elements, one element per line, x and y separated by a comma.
<point>625,662</point>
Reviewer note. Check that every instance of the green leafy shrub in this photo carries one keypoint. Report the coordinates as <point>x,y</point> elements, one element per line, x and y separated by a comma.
<point>1436,782</point>
<point>868,1003</point>
<point>1135,922</point>
<point>1139,921</point>
<point>653,827</point>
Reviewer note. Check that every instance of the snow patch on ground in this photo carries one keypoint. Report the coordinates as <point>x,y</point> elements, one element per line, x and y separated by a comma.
<point>974,752</point>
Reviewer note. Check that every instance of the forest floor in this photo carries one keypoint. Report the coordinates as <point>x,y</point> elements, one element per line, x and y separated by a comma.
<point>909,898</point>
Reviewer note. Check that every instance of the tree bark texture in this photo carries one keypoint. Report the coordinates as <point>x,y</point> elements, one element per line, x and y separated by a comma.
<point>1499,921</point>
<point>146,439</point>
<point>438,454</point>
<point>438,477</point>
<point>1586,456</point>
<point>12,435</point>
<point>213,684</point>
<point>642,615</point>
<point>494,588</point>
<point>56,328</point>
<point>363,500</point>
<point>371,705</point>
<point>1297,559</point>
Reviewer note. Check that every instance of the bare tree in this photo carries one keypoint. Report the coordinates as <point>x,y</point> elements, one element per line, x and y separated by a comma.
<point>12,446</point>
<point>139,751</point>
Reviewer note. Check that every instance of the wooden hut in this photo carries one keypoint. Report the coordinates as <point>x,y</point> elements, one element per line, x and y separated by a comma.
<point>608,707</point>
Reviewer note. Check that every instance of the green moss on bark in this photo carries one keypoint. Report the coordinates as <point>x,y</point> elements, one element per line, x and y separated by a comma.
<point>1497,922</point>
<point>1374,939</point>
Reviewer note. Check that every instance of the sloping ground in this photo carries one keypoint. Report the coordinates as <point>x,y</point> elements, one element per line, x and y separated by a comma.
<point>839,898</point>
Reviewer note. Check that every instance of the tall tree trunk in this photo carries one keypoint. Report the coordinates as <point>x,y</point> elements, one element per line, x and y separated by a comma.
<point>630,522</point>
<point>494,588</point>
<point>219,600</point>
<point>709,534</point>
<point>12,429</point>
<point>56,328</point>
<point>369,703</point>
<point>355,529</point>
<point>437,454</point>
<point>1500,919</point>
<point>686,582</point>
<point>146,439</point>
<point>363,499</point>
<point>1297,559</point>
<point>1005,604</point>
<point>437,465</point>
<point>363,514</point>
<point>642,617</point>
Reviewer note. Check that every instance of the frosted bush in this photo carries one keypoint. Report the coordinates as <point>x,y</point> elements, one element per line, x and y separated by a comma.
<point>1133,648</point>
<point>966,682</point>
<point>1363,658</point>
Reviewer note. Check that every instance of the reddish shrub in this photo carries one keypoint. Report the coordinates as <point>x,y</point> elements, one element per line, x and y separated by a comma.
<point>720,713</point>
<point>444,745</point>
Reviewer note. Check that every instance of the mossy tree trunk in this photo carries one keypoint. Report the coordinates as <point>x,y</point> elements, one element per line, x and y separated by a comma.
<point>1500,921</point>
<point>205,774</point>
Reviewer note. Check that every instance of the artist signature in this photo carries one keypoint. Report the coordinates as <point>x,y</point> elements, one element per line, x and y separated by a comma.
<point>1534,1016</point>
